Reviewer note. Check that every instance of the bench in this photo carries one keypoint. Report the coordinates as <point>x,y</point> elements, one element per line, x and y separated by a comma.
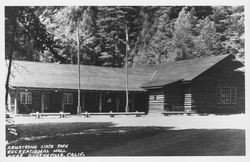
<point>112,114</point>
<point>39,115</point>
<point>167,113</point>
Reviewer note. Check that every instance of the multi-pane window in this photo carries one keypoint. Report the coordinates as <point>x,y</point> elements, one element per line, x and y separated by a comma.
<point>233,95</point>
<point>25,97</point>
<point>12,98</point>
<point>226,95</point>
<point>68,98</point>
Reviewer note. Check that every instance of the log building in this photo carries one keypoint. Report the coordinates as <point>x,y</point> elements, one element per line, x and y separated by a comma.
<point>205,85</point>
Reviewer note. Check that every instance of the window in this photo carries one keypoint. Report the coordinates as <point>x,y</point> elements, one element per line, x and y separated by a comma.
<point>68,98</point>
<point>226,95</point>
<point>233,95</point>
<point>26,97</point>
<point>12,98</point>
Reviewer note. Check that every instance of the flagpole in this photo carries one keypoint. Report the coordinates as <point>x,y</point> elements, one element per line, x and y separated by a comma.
<point>79,77</point>
<point>126,108</point>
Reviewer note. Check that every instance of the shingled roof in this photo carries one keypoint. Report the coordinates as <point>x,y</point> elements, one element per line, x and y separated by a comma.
<point>65,76</point>
<point>185,70</point>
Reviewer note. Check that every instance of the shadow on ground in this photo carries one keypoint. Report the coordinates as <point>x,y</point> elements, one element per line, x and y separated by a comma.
<point>103,139</point>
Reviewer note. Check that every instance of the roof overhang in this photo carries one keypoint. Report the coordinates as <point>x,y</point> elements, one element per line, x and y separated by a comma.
<point>67,89</point>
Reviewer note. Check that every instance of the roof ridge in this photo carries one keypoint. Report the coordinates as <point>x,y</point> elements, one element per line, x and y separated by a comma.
<point>195,59</point>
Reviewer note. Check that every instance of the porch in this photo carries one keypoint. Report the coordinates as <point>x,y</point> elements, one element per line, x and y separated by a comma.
<point>25,101</point>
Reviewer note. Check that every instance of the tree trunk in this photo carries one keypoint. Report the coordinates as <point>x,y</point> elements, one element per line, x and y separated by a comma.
<point>9,68</point>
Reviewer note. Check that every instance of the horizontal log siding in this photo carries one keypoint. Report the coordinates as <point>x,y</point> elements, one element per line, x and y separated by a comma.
<point>204,88</point>
<point>188,101</point>
<point>204,95</point>
<point>156,102</point>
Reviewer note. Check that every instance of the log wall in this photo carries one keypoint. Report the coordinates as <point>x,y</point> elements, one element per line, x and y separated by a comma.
<point>156,101</point>
<point>204,88</point>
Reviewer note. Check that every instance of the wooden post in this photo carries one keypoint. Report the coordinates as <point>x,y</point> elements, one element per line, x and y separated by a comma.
<point>83,102</point>
<point>127,49</point>
<point>42,101</point>
<point>15,107</point>
<point>79,73</point>
<point>62,102</point>
<point>117,102</point>
<point>9,102</point>
<point>100,102</point>
<point>133,102</point>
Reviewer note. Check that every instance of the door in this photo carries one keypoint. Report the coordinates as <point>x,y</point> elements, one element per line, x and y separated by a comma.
<point>55,102</point>
<point>46,102</point>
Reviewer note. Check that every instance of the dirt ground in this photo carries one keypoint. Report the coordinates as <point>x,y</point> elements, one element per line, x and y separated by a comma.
<point>136,136</point>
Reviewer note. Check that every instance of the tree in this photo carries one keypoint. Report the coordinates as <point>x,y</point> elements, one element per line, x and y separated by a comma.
<point>75,16</point>
<point>184,33</point>
<point>22,24</point>
<point>111,23</point>
<point>144,52</point>
<point>207,43</point>
<point>11,24</point>
<point>59,24</point>
<point>235,40</point>
<point>229,22</point>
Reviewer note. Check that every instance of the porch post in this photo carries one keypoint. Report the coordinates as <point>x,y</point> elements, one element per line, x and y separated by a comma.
<point>133,102</point>
<point>83,102</point>
<point>15,102</point>
<point>42,101</point>
<point>62,101</point>
<point>100,102</point>
<point>9,101</point>
<point>117,102</point>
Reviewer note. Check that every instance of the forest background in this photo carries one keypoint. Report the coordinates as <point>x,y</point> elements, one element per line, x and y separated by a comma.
<point>156,34</point>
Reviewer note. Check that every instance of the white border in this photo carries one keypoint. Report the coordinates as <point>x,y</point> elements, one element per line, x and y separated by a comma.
<point>131,3</point>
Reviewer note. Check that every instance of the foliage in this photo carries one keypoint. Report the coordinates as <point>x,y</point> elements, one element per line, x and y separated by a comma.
<point>112,23</point>
<point>31,37</point>
<point>157,34</point>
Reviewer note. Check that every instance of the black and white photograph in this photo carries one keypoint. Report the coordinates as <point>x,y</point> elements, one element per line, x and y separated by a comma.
<point>124,80</point>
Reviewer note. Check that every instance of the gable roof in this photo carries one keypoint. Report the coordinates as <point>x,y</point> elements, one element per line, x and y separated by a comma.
<point>65,76</point>
<point>185,70</point>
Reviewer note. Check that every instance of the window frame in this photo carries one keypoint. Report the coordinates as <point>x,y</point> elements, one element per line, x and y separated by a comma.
<point>220,93</point>
<point>155,98</point>
<point>27,97</point>
<point>66,98</point>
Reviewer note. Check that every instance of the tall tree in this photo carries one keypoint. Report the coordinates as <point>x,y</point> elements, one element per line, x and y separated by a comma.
<point>22,24</point>
<point>184,32</point>
<point>156,36</point>
<point>207,43</point>
<point>229,23</point>
<point>62,25</point>
<point>143,51</point>
<point>112,22</point>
